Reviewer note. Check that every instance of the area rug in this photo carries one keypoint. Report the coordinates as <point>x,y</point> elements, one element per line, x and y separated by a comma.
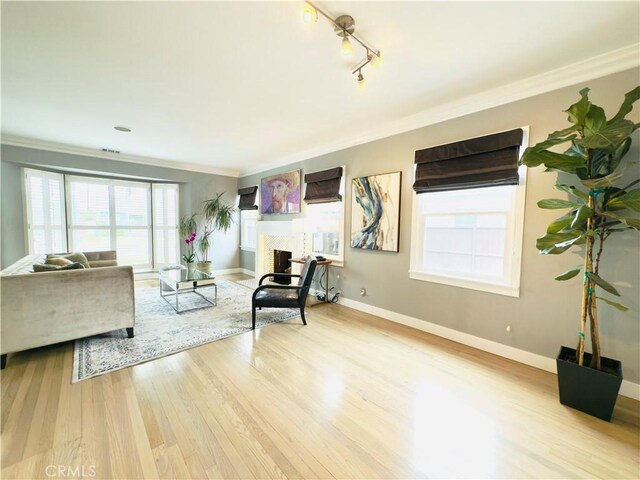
<point>160,331</point>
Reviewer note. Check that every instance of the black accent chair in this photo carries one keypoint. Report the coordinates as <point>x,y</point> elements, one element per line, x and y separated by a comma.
<point>284,296</point>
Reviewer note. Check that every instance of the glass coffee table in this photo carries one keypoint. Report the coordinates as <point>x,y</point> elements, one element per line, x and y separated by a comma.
<point>180,280</point>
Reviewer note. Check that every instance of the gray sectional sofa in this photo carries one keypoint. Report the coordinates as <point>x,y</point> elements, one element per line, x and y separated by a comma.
<point>50,307</point>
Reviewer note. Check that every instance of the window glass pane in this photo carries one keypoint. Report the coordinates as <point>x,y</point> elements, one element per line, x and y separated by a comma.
<point>248,219</point>
<point>55,203</point>
<point>133,246</point>
<point>89,203</point>
<point>464,232</point>
<point>132,205</point>
<point>36,200</point>
<point>91,240</point>
<point>58,243</point>
<point>46,230</point>
<point>325,222</point>
<point>38,242</point>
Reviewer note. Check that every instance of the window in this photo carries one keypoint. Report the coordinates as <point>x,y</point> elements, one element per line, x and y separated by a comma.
<point>248,219</point>
<point>46,223</point>
<point>166,249</point>
<point>325,227</point>
<point>468,237</point>
<point>110,215</point>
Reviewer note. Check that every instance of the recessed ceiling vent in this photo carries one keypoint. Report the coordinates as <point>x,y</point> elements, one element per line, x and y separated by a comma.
<point>108,150</point>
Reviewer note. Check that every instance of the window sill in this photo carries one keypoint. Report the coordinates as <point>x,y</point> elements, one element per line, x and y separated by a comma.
<point>248,249</point>
<point>465,283</point>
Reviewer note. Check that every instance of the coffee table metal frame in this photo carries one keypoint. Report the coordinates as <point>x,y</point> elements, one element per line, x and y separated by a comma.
<point>190,285</point>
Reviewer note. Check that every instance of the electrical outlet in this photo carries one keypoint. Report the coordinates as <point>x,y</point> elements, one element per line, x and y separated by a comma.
<point>363,292</point>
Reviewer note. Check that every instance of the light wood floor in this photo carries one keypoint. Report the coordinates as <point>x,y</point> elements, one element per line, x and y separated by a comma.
<point>348,396</point>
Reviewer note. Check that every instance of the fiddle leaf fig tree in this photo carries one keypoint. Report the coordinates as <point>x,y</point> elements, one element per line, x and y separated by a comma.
<point>599,204</point>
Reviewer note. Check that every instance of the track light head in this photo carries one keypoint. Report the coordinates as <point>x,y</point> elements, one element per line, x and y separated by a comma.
<point>361,83</point>
<point>309,14</point>
<point>347,49</point>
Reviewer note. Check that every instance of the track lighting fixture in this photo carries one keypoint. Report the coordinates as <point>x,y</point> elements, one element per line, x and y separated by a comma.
<point>344,27</point>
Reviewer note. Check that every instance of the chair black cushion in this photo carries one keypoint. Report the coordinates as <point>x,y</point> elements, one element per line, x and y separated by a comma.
<point>273,297</point>
<point>284,296</point>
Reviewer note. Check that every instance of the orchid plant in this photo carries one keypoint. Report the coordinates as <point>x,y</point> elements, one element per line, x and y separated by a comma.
<point>190,256</point>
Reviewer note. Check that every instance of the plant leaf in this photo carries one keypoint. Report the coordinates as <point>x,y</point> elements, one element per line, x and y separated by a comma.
<point>630,200</point>
<point>578,111</point>
<point>622,308</point>
<point>553,140</point>
<point>555,243</point>
<point>595,120</point>
<point>572,190</point>
<point>557,161</point>
<point>569,274</point>
<point>554,203</point>
<point>561,223</point>
<point>633,222</point>
<point>603,284</point>
<point>610,136</point>
<point>581,216</point>
<point>627,105</point>
<point>607,181</point>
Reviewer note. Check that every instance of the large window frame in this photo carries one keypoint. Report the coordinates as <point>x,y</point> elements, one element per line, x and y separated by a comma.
<point>509,284</point>
<point>112,225</point>
<point>317,221</point>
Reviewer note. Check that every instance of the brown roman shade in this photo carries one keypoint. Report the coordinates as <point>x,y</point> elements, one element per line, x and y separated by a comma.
<point>478,162</point>
<point>323,187</point>
<point>248,198</point>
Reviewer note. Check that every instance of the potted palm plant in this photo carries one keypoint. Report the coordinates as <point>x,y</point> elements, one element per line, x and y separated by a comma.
<point>218,216</point>
<point>600,204</point>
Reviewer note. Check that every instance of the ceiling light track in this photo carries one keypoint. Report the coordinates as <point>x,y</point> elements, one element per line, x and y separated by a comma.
<point>344,26</point>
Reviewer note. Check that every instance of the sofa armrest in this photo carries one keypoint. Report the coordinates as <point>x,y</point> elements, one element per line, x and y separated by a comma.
<point>50,307</point>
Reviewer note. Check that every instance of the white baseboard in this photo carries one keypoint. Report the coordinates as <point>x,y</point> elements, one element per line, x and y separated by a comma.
<point>628,389</point>
<point>251,273</point>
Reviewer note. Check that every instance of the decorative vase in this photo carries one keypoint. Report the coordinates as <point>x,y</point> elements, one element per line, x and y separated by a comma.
<point>205,266</point>
<point>191,266</point>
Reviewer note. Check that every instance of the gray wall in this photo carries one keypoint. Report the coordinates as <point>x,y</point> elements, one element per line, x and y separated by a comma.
<point>547,312</point>
<point>195,187</point>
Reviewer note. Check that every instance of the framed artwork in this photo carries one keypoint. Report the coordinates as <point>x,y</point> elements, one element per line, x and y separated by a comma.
<point>280,193</point>
<point>375,212</point>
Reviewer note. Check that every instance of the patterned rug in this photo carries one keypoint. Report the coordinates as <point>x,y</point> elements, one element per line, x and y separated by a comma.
<point>160,331</point>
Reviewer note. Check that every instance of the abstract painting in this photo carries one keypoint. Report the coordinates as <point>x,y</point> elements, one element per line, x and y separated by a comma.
<point>375,212</point>
<point>280,193</point>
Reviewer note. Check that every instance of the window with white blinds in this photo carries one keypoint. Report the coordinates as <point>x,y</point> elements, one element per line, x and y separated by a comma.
<point>44,194</point>
<point>86,214</point>
<point>110,215</point>
<point>165,224</point>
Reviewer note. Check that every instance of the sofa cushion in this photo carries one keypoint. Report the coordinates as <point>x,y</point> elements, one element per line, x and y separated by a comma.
<point>103,263</point>
<point>77,257</point>
<point>59,261</point>
<point>54,268</point>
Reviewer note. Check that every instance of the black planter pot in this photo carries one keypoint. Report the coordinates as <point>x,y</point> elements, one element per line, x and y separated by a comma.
<point>587,389</point>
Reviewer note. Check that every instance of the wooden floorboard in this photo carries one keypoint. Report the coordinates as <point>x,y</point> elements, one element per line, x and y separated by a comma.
<point>347,396</point>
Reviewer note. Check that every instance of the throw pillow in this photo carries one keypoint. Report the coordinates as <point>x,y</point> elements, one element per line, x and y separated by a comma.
<point>77,257</point>
<point>59,261</point>
<point>38,267</point>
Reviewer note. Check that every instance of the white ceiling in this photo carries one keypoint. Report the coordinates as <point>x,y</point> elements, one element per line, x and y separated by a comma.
<point>242,86</point>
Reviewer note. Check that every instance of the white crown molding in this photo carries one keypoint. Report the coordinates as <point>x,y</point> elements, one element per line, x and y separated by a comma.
<point>89,152</point>
<point>627,389</point>
<point>599,66</point>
